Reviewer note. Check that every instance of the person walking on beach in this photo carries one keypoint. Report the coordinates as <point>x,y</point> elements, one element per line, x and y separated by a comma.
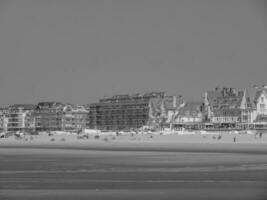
<point>234,139</point>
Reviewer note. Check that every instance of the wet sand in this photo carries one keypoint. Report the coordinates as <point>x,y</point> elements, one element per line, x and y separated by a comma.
<point>60,172</point>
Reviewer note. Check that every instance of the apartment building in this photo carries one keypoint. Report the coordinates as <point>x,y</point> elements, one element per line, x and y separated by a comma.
<point>74,118</point>
<point>48,116</point>
<point>3,119</point>
<point>20,117</point>
<point>124,112</point>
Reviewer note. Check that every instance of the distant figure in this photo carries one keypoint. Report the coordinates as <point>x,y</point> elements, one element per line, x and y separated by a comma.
<point>219,137</point>
<point>260,135</point>
<point>256,134</point>
<point>234,139</point>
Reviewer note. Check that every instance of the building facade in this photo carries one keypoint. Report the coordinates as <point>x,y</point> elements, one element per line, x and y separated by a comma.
<point>124,112</point>
<point>260,102</point>
<point>74,118</point>
<point>87,121</point>
<point>20,117</point>
<point>190,115</point>
<point>3,119</point>
<point>48,116</point>
<point>172,105</point>
<point>228,108</point>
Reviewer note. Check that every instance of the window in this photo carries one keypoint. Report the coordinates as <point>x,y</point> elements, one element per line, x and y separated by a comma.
<point>262,107</point>
<point>245,118</point>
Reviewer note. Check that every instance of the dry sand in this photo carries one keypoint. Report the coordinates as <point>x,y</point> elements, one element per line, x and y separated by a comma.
<point>140,142</point>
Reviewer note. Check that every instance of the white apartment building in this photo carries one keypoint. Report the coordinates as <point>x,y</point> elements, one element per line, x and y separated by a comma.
<point>20,118</point>
<point>74,118</point>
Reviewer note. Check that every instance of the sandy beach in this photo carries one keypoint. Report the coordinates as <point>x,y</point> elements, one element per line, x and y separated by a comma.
<point>144,142</point>
<point>133,167</point>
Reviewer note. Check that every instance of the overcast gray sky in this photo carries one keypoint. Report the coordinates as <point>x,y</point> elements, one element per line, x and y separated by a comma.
<point>79,51</point>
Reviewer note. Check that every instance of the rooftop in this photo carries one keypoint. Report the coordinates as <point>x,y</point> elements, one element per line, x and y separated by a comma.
<point>132,97</point>
<point>50,104</point>
<point>192,108</point>
<point>228,98</point>
<point>23,106</point>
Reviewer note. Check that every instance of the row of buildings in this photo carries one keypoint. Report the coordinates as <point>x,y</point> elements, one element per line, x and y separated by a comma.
<point>222,108</point>
<point>226,108</point>
<point>45,116</point>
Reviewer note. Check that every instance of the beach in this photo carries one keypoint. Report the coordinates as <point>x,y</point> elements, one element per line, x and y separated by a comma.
<point>133,167</point>
<point>142,142</point>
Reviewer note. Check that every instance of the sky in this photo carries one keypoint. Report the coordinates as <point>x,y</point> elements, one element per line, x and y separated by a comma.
<point>79,51</point>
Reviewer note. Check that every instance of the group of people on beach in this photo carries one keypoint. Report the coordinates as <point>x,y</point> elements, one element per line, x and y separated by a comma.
<point>258,134</point>
<point>219,137</point>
